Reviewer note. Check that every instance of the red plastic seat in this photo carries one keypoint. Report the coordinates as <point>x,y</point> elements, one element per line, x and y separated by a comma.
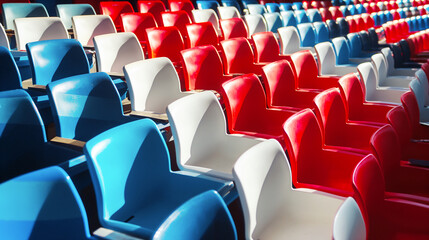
<point>358,109</point>
<point>337,129</point>
<point>137,23</point>
<point>201,34</point>
<point>387,217</point>
<point>203,69</point>
<point>233,28</point>
<point>279,82</point>
<point>267,48</point>
<point>238,57</point>
<point>409,102</point>
<point>247,112</point>
<point>154,7</point>
<point>114,10</point>
<point>182,5</point>
<point>335,12</point>
<point>326,14</point>
<point>177,19</point>
<point>368,21</point>
<point>353,27</point>
<point>312,165</point>
<point>307,74</point>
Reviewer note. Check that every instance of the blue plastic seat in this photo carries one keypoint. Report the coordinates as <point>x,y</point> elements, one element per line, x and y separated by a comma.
<point>353,10</point>
<point>298,6</point>
<point>345,11</point>
<point>43,204</point>
<point>11,11</point>
<point>389,16</point>
<point>10,79</point>
<point>23,144</point>
<point>425,21</point>
<point>314,15</point>
<point>306,34</point>
<point>289,18</point>
<point>233,3</point>
<point>301,16</point>
<point>206,214</point>
<point>334,28</point>
<point>402,13</point>
<point>67,11</point>
<point>344,26</point>
<point>376,18</point>
<point>85,105</point>
<point>272,7</point>
<point>256,9</point>
<point>208,4</point>
<point>274,21</point>
<point>134,186</point>
<point>356,49</point>
<point>322,32</point>
<point>360,9</point>
<point>342,51</point>
<point>286,6</point>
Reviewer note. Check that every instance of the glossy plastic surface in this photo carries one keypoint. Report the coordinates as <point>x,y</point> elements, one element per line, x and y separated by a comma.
<point>306,34</point>
<point>255,23</point>
<point>67,11</point>
<point>290,40</point>
<point>11,11</point>
<point>266,47</point>
<point>228,12</point>
<point>321,31</point>
<point>207,15</point>
<point>114,9</point>
<point>200,34</point>
<point>233,27</point>
<point>137,23</point>
<point>165,42</point>
<point>177,19</point>
<point>153,7</point>
<point>85,28</point>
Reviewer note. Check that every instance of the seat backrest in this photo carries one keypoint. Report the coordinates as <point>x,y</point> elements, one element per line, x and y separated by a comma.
<point>266,47</point>
<point>332,115</point>
<point>118,184</point>
<point>306,34</point>
<point>115,50</point>
<point>233,27</point>
<point>353,94</point>
<point>355,45</point>
<point>85,28</point>
<point>37,29</point>
<point>177,19</point>
<point>369,78</point>
<point>114,9</point>
<point>256,9</point>
<point>417,88</point>
<point>137,23</point>
<point>255,23</point>
<point>202,67</point>
<point>389,60</point>
<point>165,42</point>
<point>83,105</point>
<point>10,78</point>
<point>349,222</point>
<point>237,56</point>
<point>193,119</point>
<point>409,102</point>
<point>180,5</point>
<point>206,213</point>
<point>4,39</point>
<point>289,40</point>
<point>42,204</point>
<point>301,16</point>
<point>244,99</point>
<point>305,69</point>
<point>67,11</point>
<point>260,173</point>
<point>326,14</point>
<point>22,135</point>
<point>304,141</point>
<point>272,7</point>
<point>379,63</point>
<point>326,57</point>
<point>154,7</point>
<point>11,11</point>
<point>314,15</point>
<point>208,4</point>
<point>52,60</point>
<point>289,18</point>
<point>273,21</point>
<point>322,32</point>
<point>341,50</point>
<point>228,12</point>
<point>368,184</point>
<point>200,34</point>
<point>286,6</point>
<point>152,84</point>
<point>207,15</point>
<point>233,3</point>
<point>398,119</point>
<point>344,27</point>
<point>334,28</point>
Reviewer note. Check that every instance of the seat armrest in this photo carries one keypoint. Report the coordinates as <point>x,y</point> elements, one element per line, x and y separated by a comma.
<point>158,116</point>
<point>69,143</point>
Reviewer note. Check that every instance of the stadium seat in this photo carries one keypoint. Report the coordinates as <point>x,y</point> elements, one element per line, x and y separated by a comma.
<point>12,11</point>
<point>85,28</point>
<point>67,11</point>
<point>114,10</point>
<point>153,7</point>
<point>290,40</point>
<point>233,27</point>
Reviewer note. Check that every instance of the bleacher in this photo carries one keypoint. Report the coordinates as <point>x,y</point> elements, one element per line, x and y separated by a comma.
<point>207,119</point>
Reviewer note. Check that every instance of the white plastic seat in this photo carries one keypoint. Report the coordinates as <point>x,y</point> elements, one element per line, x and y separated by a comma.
<point>207,15</point>
<point>349,223</point>
<point>85,28</point>
<point>152,85</point>
<point>255,23</point>
<point>327,59</point>
<point>4,40</point>
<point>202,144</point>
<point>418,90</point>
<point>391,70</point>
<point>380,66</point>
<point>228,12</point>
<point>374,93</point>
<point>256,9</point>
<point>290,41</point>
<point>115,50</point>
<point>38,29</point>
<point>272,208</point>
